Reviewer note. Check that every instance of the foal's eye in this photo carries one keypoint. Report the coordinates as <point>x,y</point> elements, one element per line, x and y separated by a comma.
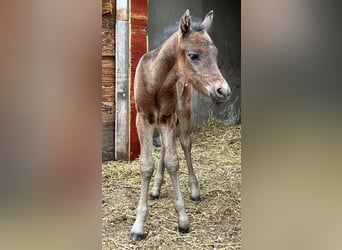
<point>193,56</point>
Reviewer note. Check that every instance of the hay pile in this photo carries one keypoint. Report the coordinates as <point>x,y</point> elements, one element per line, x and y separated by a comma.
<point>215,220</point>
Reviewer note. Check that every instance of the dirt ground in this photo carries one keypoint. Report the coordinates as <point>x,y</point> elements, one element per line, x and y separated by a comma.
<point>215,220</point>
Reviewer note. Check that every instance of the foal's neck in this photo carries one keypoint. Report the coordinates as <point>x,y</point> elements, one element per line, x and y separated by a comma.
<point>168,50</point>
<point>165,63</point>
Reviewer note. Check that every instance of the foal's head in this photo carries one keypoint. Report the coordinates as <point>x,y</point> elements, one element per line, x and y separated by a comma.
<point>198,59</point>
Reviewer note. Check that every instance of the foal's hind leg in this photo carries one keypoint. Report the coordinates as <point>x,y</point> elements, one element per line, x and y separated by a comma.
<point>159,177</point>
<point>170,159</point>
<point>145,131</point>
<point>184,117</point>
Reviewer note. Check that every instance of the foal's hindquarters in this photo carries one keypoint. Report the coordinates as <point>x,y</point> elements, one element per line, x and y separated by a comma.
<point>169,159</point>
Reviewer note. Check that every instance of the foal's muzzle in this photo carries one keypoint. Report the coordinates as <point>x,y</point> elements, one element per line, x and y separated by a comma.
<point>221,93</point>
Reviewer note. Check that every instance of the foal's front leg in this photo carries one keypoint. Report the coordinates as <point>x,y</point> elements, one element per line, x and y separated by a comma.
<point>171,163</point>
<point>184,116</point>
<point>145,131</point>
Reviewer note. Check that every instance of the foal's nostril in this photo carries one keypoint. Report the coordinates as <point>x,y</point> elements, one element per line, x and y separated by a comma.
<point>222,93</point>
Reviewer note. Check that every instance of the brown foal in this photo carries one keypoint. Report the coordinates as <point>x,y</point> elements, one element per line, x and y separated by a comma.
<point>162,93</point>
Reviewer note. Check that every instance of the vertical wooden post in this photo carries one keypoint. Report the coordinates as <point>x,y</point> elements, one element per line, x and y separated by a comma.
<point>122,73</point>
<point>138,47</point>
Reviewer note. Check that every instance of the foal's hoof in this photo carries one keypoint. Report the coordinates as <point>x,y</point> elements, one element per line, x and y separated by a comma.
<point>184,230</point>
<point>137,236</point>
<point>196,198</point>
<point>154,197</point>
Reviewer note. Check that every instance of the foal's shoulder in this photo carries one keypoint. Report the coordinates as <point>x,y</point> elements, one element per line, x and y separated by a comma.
<point>147,59</point>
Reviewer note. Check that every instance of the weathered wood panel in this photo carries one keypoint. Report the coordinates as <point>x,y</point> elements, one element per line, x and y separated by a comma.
<point>108,21</point>
<point>121,52</point>
<point>108,107</point>
<point>138,48</point>
<point>107,130</point>
<point>108,79</point>
<point>107,6</point>
<point>108,42</point>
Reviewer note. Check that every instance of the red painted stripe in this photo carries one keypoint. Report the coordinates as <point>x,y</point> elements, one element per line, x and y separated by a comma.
<point>138,48</point>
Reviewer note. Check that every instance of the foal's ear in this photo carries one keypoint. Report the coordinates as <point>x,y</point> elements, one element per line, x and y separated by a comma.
<point>185,23</point>
<point>208,20</point>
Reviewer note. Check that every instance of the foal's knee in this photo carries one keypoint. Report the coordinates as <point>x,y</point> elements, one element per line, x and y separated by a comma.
<point>171,163</point>
<point>146,168</point>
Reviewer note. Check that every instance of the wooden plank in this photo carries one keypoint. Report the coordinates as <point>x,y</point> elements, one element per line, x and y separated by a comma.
<point>108,71</point>
<point>107,131</point>
<point>107,94</point>
<point>138,48</point>
<point>108,43</point>
<point>108,79</point>
<point>139,8</point>
<point>122,10</point>
<point>107,7</point>
<point>108,18</point>
<point>108,108</point>
<point>122,83</point>
<point>139,24</point>
<point>108,21</point>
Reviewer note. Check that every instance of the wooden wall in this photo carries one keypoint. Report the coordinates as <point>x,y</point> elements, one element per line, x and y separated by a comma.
<point>108,78</point>
<point>138,48</point>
